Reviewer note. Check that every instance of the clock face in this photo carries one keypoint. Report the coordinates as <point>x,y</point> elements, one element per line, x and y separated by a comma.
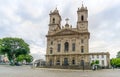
<point>82,26</point>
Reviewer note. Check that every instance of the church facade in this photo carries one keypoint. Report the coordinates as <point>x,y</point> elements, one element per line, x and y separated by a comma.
<point>67,45</point>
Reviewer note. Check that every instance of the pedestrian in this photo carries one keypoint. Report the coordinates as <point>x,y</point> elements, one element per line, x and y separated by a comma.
<point>93,67</point>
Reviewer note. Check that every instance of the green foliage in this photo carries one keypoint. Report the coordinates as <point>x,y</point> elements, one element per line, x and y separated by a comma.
<point>27,58</point>
<point>14,47</point>
<point>0,46</point>
<point>115,62</point>
<point>95,62</point>
<point>118,54</point>
<point>20,58</point>
<point>92,63</point>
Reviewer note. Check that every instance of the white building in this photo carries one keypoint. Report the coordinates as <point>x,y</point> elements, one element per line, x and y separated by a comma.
<point>3,58</point>
<point>39,63</point>
<point>102,57</point>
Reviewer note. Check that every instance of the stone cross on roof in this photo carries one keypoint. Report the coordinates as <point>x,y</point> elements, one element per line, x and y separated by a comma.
<point>67,20</point>
<point>82,3</point>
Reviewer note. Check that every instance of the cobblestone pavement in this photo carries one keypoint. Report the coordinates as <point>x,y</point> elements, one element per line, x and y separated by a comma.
<point>27,71</point>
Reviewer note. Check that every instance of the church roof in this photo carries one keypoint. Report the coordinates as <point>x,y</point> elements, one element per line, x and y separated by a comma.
<point>82,8</point>
<point>54,12</point>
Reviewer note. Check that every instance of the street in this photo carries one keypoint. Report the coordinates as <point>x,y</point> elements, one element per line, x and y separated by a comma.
<point>27,71</point>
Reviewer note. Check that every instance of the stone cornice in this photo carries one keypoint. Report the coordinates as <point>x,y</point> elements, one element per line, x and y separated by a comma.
<point>65,32</point>
<point>82,21</point>
<point>82,54</point>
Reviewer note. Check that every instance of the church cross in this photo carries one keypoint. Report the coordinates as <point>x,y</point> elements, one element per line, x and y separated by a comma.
<point>66,20</point>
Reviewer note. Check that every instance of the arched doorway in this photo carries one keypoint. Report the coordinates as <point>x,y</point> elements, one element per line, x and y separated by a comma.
<point>65,61</point>
<point>50,62</point>
<point>58,62</point>
<point>82,62</point>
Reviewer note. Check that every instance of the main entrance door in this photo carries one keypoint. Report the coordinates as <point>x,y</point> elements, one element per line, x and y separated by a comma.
<point>65,61</point>
<point>82,62</point>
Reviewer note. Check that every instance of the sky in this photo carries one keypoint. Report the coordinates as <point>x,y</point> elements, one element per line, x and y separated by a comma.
<point>29,19</point>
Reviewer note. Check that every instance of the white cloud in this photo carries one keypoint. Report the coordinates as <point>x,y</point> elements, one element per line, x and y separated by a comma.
<point>37,52</point>
<point>97,6</point>
<point>32,7</point>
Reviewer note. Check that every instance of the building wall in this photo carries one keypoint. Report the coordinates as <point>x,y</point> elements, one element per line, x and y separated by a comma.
<point>101,57</point>
<point>57,35</point>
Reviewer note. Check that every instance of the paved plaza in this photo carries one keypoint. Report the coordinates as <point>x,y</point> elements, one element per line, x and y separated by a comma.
<point>27,71</point>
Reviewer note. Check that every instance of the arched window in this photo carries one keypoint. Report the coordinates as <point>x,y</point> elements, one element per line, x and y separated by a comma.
<point>51,42</point>
<point>82,41</point>
<point>73,46</point>
<point>82,18</point>
<point>51,50</point>
<point>82,49</point>
<point>53,20</point>
<point>59,47</point>
<point>66,46</point>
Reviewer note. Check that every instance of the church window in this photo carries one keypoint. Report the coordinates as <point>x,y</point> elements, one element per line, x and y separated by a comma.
<point>82,18</point>
<point>82,41</point>
<point>53,20</point>
<point>51,42</point>
<point>73,46</point>
<point>102,56</point>
<point>59,47</point>
<point>82,49</point>
<point>66,46</point>
<point>51,50</point>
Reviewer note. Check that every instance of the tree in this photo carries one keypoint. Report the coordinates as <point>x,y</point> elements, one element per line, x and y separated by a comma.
<point>118,54</point>
<point>0,45</point>
<point>28,58</point>
<point>95,62</point>
<point>20,58</point>
<point>14,47</point>
<point>115,62</point>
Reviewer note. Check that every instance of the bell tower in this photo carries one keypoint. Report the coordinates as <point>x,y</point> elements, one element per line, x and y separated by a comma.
<point>82,22</point>
<point>55,21</point>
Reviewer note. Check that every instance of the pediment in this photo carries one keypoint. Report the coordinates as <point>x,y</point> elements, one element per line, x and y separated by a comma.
<point>66,32</point>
